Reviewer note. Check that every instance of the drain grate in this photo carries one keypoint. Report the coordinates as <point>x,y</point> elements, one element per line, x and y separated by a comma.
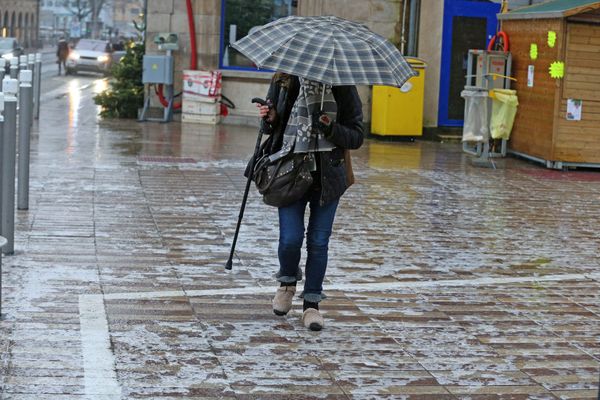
<point>167,159</point>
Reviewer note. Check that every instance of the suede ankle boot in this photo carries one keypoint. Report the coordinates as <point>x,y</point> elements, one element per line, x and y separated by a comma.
<point>282,303</point>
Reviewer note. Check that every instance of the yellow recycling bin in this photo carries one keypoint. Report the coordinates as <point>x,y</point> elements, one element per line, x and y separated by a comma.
<point>399,111</point>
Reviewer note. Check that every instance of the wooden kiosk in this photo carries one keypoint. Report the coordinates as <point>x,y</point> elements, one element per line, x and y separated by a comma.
<point>542,131</point>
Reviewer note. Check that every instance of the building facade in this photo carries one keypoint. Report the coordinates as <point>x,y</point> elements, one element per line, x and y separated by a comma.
<point>19,19</point>
<point>448,28</point>
<point>220,22</point>
<point>437,31</point>
<point>59,20</point>
<point>124,13</point>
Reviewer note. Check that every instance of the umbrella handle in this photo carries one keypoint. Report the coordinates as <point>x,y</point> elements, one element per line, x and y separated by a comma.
<point>323,97</point>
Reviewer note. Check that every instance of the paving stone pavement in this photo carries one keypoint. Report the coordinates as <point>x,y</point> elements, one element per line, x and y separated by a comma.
<point>446,281</point>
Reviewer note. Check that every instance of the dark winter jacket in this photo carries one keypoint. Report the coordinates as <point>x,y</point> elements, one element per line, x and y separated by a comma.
<point>62,51</point>
<point>347,131</point>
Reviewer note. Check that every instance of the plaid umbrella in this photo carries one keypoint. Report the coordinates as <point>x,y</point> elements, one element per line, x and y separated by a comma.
<point>326,49</point>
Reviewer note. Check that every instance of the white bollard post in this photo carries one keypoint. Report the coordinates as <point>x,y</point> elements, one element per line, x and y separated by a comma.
<point>37,87</point>
<point>9,150</point>
<point>2,70</point>
<point>2,243</point>
<point>30,61</point>
<point>25,117</point>
<point>2,189</point>
<point>22,63</point>
<point>14,68</point>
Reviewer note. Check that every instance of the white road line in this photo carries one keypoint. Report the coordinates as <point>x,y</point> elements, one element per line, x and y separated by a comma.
<point>360,287</point>
<point>99,362</point>
<point>99,373</point>
<point>390,286</point>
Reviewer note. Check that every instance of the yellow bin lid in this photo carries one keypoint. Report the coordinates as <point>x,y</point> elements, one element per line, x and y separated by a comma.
<point>416,63</point>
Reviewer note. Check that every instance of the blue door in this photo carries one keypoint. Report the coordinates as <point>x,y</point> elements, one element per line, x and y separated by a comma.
<point>468,24</point>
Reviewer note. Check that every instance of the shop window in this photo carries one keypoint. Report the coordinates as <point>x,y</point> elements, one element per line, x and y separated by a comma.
<point>239,17</point>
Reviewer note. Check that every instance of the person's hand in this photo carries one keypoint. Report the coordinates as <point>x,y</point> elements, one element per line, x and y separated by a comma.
<point>266,112</point>
<point>263,111</point>
<point>323,123</point>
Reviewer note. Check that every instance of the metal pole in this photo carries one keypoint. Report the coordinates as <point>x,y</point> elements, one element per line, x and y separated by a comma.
<point>31,61</point>
<point>25,117</point>
<point>14,68</point>
<point>31,67</point>
<point>22,63</point>
<point>415,6</point>
<point>11,87</point>
<point>2,189</point>
<point>2,70</point>
<point>37,87</point>
<point>2,240</point>
<point>2,243</point>
<point>403,35</point>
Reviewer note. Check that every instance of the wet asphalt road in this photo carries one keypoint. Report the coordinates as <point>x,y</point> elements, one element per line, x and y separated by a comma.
<point>446,281</point>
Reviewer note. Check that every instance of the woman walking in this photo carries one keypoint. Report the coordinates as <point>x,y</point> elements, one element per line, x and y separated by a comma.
<point>322,121</point>
<point>62,53</point>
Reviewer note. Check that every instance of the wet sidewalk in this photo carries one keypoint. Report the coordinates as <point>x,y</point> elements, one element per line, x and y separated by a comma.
<point>446,281</point>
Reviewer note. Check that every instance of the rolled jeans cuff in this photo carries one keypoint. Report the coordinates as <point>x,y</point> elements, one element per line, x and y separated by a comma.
<point>312,297</point>
<point>287,278</point>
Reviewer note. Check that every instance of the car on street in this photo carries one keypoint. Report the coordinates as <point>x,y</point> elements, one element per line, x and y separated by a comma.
<point>90,55</point>
<point>9,49</point>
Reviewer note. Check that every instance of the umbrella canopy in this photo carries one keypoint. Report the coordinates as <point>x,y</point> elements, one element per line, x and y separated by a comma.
<point>328,49</point>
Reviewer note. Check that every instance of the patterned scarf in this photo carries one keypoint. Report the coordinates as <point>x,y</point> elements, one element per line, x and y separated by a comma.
<point>299,134</point>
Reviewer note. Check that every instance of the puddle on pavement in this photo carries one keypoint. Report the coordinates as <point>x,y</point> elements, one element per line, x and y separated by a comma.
<point>531,265</point>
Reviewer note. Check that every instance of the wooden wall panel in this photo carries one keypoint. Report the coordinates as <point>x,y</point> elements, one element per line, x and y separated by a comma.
<point>579,141</point>
<point>534,124</point>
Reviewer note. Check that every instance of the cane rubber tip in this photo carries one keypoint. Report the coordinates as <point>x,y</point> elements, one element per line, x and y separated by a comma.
<point>229,265</point>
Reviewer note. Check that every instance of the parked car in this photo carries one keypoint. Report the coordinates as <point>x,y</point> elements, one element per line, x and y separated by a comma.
<point>90,56</point>
<point>9,49</point>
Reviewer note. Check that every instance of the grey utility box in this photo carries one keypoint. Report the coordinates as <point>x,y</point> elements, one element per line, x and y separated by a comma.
<point>158,69</point>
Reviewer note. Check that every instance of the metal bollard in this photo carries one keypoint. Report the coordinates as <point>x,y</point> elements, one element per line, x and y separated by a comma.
<point>25,117</point>
<point>7,220</point>
<point>1,154</point>
<point>37,85</point>
<point>31,67</point>
<point>22,63</point>
<point>2,240</point>
<point>14,68</point>
<point>31,61</point>
<point>2,70</point>
<point>2,243</point>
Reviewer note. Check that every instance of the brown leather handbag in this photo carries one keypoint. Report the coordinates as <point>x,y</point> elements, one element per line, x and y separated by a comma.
<point>349,172</point>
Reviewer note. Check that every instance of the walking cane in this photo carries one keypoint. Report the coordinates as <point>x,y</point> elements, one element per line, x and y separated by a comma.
<point>229,264</point>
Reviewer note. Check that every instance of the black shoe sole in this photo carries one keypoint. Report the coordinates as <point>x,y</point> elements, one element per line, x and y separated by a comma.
<point>279,313</point>
<point>315,327</point>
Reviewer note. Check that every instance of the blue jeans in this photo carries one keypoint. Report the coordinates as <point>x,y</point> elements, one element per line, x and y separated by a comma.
<point>291,236</point>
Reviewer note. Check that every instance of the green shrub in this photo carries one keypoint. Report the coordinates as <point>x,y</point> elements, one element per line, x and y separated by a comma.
<point>126,92</point>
